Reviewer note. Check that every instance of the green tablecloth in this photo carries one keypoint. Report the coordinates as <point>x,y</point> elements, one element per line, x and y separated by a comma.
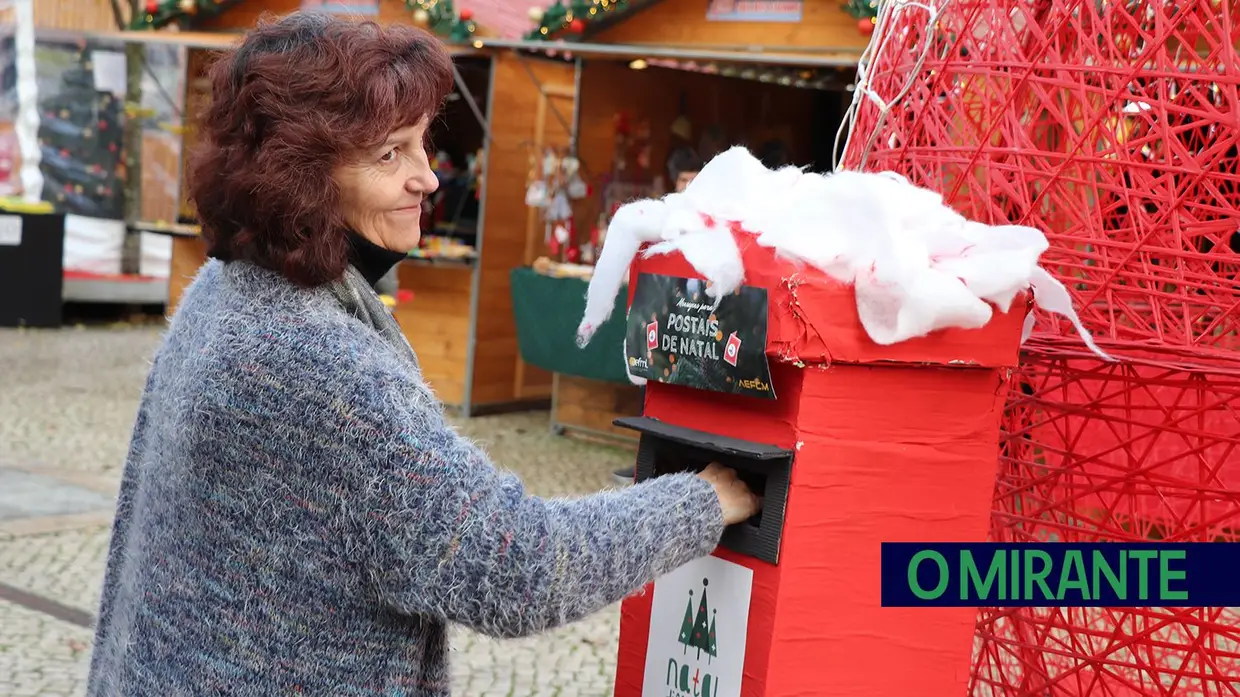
<point>547,312</point>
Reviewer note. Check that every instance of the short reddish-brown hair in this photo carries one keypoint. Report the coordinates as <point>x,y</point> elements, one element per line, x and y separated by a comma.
<point>296,99</point>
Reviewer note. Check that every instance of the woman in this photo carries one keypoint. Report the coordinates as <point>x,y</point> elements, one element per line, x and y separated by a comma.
<point>296,516</point>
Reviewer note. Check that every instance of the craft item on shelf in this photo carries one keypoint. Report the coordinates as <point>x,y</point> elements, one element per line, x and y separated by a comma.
<point>440,247</point>
<point>916,265</point>
<point>556,269</point>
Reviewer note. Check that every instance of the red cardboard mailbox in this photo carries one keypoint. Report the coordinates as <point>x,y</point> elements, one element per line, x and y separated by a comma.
<point>851,444</point>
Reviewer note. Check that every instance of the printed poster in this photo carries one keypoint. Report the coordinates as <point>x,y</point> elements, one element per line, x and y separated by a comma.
<point>754,11</point>
<point>699,621</point>
<point>676,335</point>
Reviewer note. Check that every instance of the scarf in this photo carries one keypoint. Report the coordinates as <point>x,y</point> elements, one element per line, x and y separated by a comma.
<point>357,297</point>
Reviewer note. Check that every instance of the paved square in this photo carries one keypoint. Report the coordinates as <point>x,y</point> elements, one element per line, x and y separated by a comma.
<point>28,495</point>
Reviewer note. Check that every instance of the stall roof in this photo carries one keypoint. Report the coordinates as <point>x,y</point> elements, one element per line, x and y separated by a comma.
<point>834,58</point>
<point>208,40</point>
<point>203,39</point>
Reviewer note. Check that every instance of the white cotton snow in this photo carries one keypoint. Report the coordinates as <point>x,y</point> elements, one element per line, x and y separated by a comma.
<point>915,264</point>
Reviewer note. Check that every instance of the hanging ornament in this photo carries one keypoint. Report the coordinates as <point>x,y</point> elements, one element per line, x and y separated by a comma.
<point>151,7</point>
<point>550,163</point>
<point>865,26</point>
<point>188,6</point>
<point>559,238</point>
<point>559,207</point>
<point>572,255</point>
<point>577,26</point>
<point>536,194</point>
<point>466,15</point>
<point>535,14</point>
<point>577,188</point>
<point>422,18</point>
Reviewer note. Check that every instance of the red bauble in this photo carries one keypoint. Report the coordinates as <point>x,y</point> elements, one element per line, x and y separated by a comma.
<point>466,15</point>
<point>572,255</point>
<point>865,26</point>
<point>151,7</point>
<point>577,26</point>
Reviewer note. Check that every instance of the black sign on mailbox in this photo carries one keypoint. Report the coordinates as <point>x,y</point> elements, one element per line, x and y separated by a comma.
<point>677,335</point>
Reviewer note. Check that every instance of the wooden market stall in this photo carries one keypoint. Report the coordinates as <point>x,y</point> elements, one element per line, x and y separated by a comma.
<point>103,260</point>
<point>455,304</point>
<point>658,77</point>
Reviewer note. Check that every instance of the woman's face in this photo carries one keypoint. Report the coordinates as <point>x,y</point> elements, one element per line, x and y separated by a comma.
<point>382,191</point>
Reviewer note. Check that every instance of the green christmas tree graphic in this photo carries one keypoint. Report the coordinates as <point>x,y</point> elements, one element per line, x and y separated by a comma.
<point>712,649</point>
<point>686,627</point>
<point>701,632</point>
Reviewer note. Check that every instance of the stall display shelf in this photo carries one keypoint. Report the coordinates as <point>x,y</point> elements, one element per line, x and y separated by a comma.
<point>590,387</point>
<point>87,287</point>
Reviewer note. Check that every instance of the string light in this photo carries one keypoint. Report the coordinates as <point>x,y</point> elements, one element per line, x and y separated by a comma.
<point>574,16</point>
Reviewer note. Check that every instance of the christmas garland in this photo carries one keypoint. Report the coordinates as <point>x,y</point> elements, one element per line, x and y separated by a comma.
<point>441,18</point>
<point>438,16</point>
<point>865,12</point>
<point>572,19</point>
<point>160,13</point>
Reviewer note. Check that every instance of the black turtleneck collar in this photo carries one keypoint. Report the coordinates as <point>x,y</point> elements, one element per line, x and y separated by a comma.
<point>370,259</point>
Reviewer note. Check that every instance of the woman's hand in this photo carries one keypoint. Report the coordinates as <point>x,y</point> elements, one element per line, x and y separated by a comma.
<point>737,501</point>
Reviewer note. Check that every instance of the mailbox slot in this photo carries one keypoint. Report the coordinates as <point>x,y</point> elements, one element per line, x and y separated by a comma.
<point>767,469</point>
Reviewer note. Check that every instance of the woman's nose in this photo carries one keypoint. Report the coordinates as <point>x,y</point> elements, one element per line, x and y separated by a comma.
<point>423,181</point>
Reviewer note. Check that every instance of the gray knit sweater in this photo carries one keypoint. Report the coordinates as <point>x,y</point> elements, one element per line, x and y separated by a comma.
<point>296,516</point>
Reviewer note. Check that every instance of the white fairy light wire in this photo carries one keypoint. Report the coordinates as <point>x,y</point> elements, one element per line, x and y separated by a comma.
<point>888,11</point>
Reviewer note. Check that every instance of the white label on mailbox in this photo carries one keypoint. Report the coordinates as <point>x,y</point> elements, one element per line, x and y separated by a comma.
<point>10,230</point>
<point>699,620</point>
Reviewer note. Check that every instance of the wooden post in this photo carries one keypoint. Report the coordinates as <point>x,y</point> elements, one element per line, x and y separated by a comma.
<point>135,58</point>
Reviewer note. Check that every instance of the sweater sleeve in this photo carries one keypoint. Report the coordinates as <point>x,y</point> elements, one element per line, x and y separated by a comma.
<point>446,533</point>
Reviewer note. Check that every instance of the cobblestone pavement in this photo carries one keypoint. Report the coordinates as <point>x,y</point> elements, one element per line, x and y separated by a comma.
<point>67,400</point>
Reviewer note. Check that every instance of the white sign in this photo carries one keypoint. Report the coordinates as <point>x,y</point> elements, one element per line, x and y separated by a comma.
<point>754,11</point>
<point>698,624</point>
<point>109,72</point>
<point>10,230</point>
